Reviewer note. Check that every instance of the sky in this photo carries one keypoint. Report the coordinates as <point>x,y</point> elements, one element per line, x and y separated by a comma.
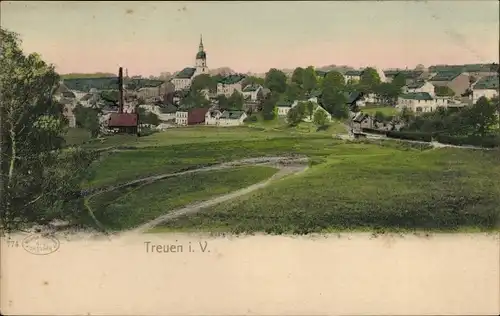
<point>150,37</point>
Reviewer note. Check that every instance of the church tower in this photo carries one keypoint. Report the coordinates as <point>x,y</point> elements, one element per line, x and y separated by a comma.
<point>201,59</point>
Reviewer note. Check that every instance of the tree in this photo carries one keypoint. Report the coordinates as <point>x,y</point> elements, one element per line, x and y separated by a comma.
<point>268,106</point>
<point>236,101</point>
<point>87,118</point>
<point>252,80</point>
<point>309,79</point>
<point>223,102</point>
<point>203,81</point>
<point>482,116</point>
<point>148,117</point>
<point>333,80</point>
<point>297,76</point>
<point>296,114</point>
<point>369,80</point>
<point>194,99</point>
<point>309,108</point>
<point>40,182</point>
<point>379,116</point>
<point>294,92</point>
<point>320,118</point>
<point>275,80</point>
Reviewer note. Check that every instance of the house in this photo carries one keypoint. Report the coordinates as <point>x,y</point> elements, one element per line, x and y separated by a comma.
<point>420,86</point>
<point>410,76</point>
<point>485,87</point>
<point>251,91</point>
<point>153,89</point>
<point>353,75</point>
<point>227,85</point>
<point>317,107</point>
<point>355,99</point>
<point>86,100</point>
<point>477,71</point>
<point>459,82</point>
<point>360,121</point>
<point>226,118</point>
<point>420,102</point>
<point>283,108</point>
<point>190,116</point>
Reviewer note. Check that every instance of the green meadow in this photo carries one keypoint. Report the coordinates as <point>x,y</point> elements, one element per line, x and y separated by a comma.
<point>363,185</point>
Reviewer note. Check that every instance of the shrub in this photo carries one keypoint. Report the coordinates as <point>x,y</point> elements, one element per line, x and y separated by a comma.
<point>418,136</point>
<point>488,141</point>
<point>251,119</point>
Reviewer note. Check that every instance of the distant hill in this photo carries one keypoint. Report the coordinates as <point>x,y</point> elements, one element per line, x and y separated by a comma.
<point>91,75</point>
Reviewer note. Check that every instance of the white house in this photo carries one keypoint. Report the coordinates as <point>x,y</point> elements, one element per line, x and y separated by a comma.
<point>485,87</point>
<point>420,102</point>
<point>227,85</point>
<point>283,108</point>
<point>353,75</point>
<point>420,86</point>
<point>226,118</point>
<point>251,91</point>
<point>181,118</point>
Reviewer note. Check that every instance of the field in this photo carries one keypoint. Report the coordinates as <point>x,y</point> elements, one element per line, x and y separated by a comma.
<point>386,110</point>
<point>349,185</point>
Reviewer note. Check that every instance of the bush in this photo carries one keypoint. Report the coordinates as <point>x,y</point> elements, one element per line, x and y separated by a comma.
<point>488,141</point>
<point>418,136</point>
<point>251,119</point>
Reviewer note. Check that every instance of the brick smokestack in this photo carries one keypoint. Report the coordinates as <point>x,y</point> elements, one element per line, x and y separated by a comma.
<point>120,88</point>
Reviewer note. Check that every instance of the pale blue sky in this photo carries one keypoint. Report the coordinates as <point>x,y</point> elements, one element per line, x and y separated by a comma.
<point>150,37</point>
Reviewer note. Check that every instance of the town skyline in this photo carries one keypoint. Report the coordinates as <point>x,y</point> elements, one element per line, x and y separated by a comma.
<point>356,34</point>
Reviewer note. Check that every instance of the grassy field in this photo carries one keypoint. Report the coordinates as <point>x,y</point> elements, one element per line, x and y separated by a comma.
<point>135,205</point>
<point>386,110</point>
<point>350,186</point>
<point>76,136</point>
<point>381,189</point>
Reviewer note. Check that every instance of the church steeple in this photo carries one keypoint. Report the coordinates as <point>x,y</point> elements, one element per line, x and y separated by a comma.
<point>200,49</point>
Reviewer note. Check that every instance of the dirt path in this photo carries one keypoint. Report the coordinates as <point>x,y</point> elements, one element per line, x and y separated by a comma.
<point>286,165</point>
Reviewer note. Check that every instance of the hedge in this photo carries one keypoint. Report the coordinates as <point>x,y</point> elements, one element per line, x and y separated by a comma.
<point>419,136</point>
<point>488,141</point>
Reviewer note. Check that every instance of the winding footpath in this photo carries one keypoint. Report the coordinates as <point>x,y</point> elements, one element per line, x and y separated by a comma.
<point>286,165</point>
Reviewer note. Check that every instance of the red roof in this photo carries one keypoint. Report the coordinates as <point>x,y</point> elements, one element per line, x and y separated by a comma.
<point>122,120</point>
<point>197,116</point>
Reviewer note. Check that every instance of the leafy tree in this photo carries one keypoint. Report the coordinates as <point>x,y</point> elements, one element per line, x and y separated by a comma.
<point>275,80</point>
<point>236,101</point>
<point>444,91</point>
<point>309,79</point>
<point>379,116</point>
<point>146,117</point>
<point>482,116</point>
<point>320,118</point>
<point>399,81</point>
<point>309,108</point>
<point>252,80</point>
<point>40,182</point>
<point>389,92</point>
<point>203,81</point>
<point>294,117</point>
<point>194,99</point>
<point>294,92</point>
<point>333,80</point>
<point>267,106</point>
<point>335,102</point>
<point>369,80</point>
<point>87,118</point>
<point>223,102</point>
<point>297,76</point>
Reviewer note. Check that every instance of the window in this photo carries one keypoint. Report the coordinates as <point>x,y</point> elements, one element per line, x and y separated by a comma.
<point>419,109</point>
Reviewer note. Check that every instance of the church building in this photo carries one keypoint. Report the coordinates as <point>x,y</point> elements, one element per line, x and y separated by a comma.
<point>184,78</point>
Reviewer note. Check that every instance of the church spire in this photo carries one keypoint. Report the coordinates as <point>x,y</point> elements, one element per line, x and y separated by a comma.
<point>201,43</point>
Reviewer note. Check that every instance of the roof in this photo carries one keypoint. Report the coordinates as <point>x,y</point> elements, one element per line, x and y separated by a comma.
<point>408,74</point>
<point>354,73</point>
<point>232,114</point>
<point>416,85</point>
<point>68,94</point>
<point>285,104</point>
<point>487,83</point>
<point>197,115</point>
<point>186,73</point>
<point>417,96</point>
<point>231,79</point>
<point>201,55</point>
<point>465,68</point>
<point>353,97</point>
<point>446,76</point>
<point>85,84</point>
<point>252,88</point>
<point>360,117</point>
<point>122,120</point>
<point>86,97</point>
